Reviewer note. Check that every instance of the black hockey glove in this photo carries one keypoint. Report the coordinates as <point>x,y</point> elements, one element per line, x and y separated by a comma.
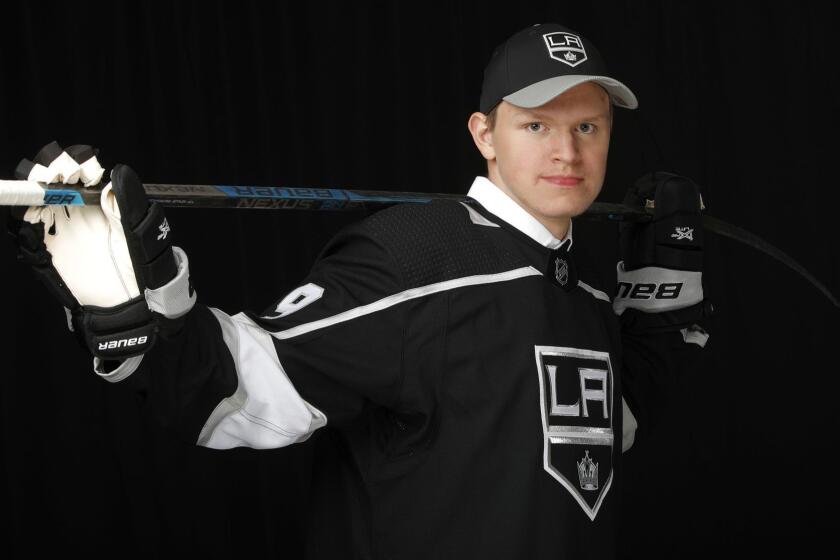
<point>112,266</point>
<point>660,275</point>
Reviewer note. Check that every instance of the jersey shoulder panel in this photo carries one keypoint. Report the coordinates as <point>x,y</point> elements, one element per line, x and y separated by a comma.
<point>440,241</point>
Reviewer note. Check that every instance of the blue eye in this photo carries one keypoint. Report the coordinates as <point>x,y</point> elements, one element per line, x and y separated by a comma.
<point>587,128</point>
<point>535,126</point>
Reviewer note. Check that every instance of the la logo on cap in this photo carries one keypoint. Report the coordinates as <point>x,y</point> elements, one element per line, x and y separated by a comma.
<point>565,47</point>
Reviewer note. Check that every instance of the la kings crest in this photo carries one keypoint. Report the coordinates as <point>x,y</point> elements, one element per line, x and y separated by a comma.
<point>576,400</point>
<point>565,47</point>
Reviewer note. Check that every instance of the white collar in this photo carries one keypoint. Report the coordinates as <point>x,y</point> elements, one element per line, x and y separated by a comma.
<point>500,204</point>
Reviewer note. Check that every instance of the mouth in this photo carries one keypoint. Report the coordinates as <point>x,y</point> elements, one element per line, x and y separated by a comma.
<point>563,180</point>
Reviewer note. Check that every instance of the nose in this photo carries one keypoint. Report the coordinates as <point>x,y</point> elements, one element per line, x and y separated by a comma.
<point>564,147</point>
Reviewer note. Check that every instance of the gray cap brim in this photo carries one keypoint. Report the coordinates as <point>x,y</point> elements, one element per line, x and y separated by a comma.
<point>542,92</point>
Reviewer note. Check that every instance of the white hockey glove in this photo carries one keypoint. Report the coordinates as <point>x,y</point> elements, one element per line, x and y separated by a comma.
<point>660,284</point>
<point>112,266</point>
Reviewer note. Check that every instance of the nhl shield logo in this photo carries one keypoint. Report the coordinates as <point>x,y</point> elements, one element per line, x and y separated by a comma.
<point>576,400</point>
<point>561,271</point>
<point>565,47</point>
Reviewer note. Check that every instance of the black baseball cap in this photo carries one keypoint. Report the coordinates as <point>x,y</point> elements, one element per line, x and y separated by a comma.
<point>540,62</point>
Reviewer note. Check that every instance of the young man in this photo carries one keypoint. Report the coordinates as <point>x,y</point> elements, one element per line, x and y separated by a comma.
<point>473,372</point>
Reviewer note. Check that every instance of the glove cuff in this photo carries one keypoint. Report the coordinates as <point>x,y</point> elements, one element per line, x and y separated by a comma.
<point>176,298</point>
<point>118,332</point>
<point>653,289</point>
<point>634,321</point>
<point>126,368</point>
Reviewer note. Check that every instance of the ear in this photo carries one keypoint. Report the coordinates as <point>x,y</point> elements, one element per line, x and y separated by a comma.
<point>482,135</point>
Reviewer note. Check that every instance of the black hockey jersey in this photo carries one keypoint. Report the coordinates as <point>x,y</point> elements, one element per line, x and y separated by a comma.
<point>471,369</point>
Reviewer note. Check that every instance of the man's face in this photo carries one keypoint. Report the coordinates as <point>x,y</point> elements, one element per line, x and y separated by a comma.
<point>551,159</point>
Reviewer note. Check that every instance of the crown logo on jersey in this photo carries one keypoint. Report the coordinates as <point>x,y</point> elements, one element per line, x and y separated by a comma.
<point>588,473</point>
<point>565,47</point>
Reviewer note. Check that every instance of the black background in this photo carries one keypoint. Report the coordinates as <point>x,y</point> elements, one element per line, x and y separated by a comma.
<point>741,97</point>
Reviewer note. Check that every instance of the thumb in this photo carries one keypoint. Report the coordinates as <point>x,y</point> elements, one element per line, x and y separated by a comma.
<point>108,202</point>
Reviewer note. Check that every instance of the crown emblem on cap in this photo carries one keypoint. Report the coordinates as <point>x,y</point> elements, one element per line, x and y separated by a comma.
<point>588,473</point>
<point>565,47</point>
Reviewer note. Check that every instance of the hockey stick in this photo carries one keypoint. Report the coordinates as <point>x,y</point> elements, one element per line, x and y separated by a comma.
<point>30,193</point>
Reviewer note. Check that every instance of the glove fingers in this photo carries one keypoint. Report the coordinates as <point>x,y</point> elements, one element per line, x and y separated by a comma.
<point>81,152</point>
<point>51,165</point>
<point>674,238</point>
<point>90,170</point>
<point>646,184</point>
<point>28,170</point>
<point>62,167</point>
<point>647,187</point>
<point>676,194</point>
<point>48,154</point>
<point>23,171</point>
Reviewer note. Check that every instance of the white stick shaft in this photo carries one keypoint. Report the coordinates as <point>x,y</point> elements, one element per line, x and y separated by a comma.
<point>21,193</point>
